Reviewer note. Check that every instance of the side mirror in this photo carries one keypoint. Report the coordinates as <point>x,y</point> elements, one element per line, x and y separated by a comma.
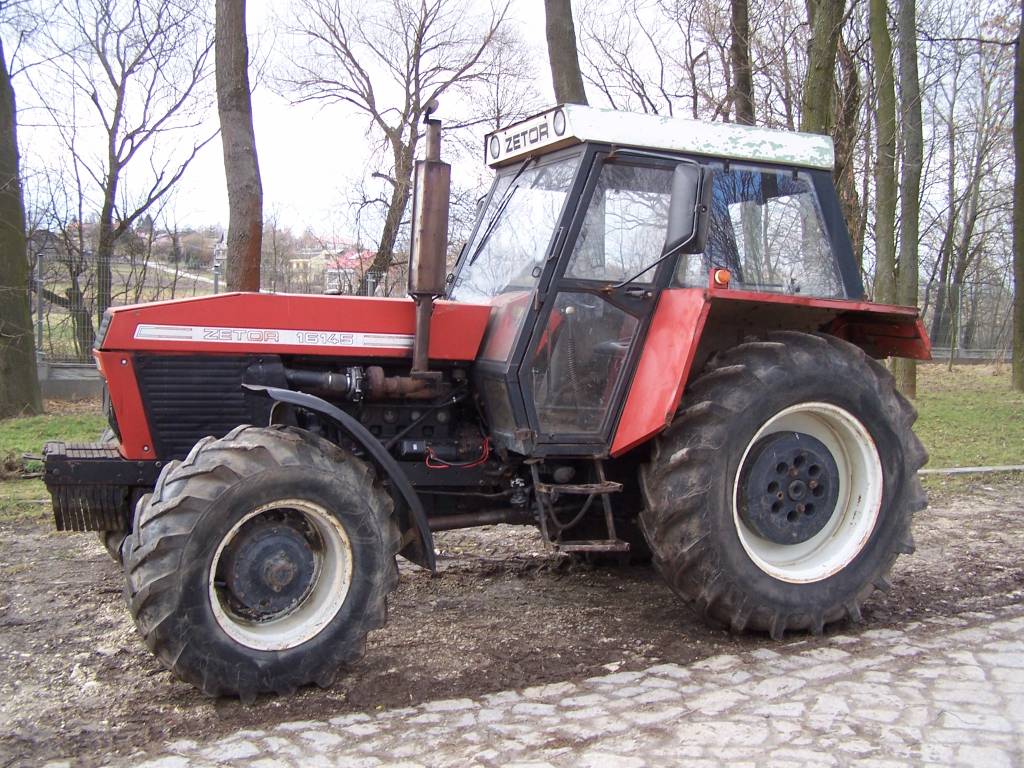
<point>688,209</point>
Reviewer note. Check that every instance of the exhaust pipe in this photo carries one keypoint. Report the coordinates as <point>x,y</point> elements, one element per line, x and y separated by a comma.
<point>427,262</point>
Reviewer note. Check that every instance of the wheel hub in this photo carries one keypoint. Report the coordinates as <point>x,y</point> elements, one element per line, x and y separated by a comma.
<point>788,487</point>
<point>270,566</point>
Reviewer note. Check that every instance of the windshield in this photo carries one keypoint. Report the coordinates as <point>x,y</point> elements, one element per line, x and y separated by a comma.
<point>516,228</point>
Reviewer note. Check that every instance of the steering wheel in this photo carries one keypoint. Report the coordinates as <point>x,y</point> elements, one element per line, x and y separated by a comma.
<point>582,301</point>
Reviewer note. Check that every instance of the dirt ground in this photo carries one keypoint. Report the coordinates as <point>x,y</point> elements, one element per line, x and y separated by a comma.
<point>76,683</point>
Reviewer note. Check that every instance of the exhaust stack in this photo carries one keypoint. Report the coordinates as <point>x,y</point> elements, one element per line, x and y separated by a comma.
<point>427,258</point>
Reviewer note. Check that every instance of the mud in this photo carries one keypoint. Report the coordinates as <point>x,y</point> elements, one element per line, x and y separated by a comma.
<point>76,683</point>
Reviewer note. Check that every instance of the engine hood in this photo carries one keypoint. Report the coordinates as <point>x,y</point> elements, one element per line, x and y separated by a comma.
<point>351,326</point>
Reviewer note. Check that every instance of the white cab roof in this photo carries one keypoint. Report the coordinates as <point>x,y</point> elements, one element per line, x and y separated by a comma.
<point>570,124</point>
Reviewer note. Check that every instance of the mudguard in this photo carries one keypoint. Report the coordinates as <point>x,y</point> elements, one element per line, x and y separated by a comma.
<point>417,540</point>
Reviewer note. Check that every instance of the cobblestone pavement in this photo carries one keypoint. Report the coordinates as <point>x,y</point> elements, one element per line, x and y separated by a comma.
<point>945,691</point>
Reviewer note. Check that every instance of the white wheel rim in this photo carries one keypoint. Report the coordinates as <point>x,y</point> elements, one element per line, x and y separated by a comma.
<point>856,512</point>
<point>332,580</point>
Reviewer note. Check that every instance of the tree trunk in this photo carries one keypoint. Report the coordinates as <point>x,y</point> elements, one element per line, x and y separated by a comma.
<point>905,371</point>
<point>826,20</point>
<point>401,192</point>
<point>1018,211</point>
<point>105,246</point>
<point>885,160</point>
<point>241,166</point>
<point>19,384</point>
<point>562,54</point>
<point>739,53</point>
<point>845,136</point>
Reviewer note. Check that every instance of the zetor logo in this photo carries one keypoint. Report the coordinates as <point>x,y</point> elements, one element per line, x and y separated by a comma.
<point>535,135</point>
<point>254,335</point>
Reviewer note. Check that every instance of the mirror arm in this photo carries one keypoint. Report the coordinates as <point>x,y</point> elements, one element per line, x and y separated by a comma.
<point>668,254</point>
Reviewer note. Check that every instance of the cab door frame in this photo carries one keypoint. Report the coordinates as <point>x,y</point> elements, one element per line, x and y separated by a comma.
<point>637,299</point>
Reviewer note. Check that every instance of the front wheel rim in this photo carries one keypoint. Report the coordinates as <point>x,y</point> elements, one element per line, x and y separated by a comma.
<point>856,511</point>
<point>329,582</point>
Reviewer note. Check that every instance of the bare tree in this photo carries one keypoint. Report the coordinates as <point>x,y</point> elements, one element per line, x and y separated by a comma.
<point>826,22</point>
<point>742,78</point>
<point>58,209</point>
<point>636,62</point>
<point>388,61</point>
<point>966,189</point>
<point>19,385</point>
<point>141,66</point>
<point>562,54</point>
<point>1018,208</point>
<point>885,159</point>
<point>241,165</point>
<point>910,182</point>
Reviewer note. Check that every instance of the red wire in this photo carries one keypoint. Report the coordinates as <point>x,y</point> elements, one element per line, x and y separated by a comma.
<point>442,464</point>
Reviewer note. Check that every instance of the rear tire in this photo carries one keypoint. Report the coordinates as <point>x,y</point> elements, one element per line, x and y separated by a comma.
<point>261,562</point>
<point>718,538</point>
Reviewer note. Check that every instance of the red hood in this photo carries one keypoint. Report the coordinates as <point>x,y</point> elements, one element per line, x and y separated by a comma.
<point>293,324</point>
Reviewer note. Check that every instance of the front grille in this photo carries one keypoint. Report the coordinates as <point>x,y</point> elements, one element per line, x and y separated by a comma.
<point>188,397</point>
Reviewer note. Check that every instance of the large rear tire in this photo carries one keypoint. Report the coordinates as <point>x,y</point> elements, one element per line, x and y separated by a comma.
<point>782,493</point>
<point>261,562</point>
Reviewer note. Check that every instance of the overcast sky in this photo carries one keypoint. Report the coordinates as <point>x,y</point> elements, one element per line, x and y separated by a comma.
<point>310,154</point>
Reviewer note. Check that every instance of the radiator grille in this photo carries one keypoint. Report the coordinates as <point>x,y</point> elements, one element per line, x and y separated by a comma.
<point>188,397</point>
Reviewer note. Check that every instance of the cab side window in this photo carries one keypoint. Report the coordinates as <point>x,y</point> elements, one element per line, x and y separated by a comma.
<point>766,227</point>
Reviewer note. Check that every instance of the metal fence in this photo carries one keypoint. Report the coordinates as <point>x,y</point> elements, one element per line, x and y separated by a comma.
<point>64,296</point>
<point>972,322</point>
<point>64,292</point>
<point>976,324</point>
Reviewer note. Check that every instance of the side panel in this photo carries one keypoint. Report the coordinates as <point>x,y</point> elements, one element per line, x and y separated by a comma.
<point>287,324</point>
<point>663,368</point>
<point>119,371</point>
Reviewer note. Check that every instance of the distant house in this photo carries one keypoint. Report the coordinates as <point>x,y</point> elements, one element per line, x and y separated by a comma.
<point>333,271</point>
<point>344,270</point>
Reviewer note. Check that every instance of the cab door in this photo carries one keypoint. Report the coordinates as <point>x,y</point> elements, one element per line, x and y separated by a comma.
<point>597,306</point>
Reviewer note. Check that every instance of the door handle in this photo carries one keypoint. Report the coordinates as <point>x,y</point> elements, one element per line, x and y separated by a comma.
<point>638,293</point>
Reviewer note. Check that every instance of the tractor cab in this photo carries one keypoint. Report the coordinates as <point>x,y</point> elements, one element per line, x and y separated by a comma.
<point>582,233</point>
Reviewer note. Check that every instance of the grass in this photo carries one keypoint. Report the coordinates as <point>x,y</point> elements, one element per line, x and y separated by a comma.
<point>23,500</point>
<point>27,435</point>
<point>968,417</point>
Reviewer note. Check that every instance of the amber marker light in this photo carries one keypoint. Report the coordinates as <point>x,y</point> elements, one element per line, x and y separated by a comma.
<point>721,278</point>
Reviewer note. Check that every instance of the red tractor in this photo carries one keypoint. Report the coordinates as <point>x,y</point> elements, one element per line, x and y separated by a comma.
<point>655,343</point>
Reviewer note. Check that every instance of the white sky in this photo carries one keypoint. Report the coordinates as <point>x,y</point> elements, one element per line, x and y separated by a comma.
<point>309,154</point>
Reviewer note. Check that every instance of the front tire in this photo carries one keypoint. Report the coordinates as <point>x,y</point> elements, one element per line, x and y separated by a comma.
<point>782,493</point>
<point>261,562</point>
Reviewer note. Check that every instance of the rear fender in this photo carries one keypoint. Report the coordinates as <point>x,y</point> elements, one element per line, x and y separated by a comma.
<point>417,540</point>
<point>691,324</point>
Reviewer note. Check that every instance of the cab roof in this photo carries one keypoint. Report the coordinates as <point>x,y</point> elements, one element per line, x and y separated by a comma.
<point>570,124</point>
